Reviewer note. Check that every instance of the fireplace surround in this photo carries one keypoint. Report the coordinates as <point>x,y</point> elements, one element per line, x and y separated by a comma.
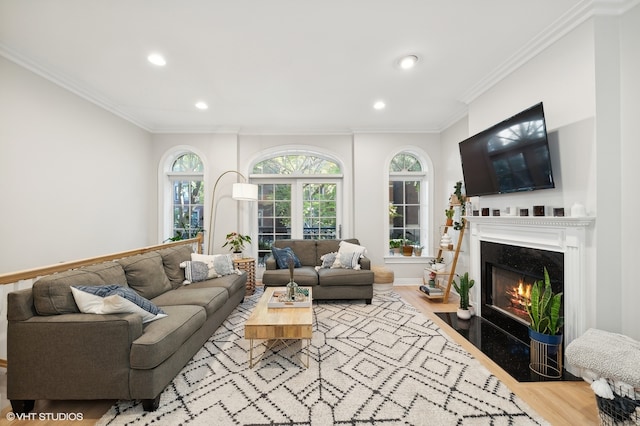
<point>562,238</point>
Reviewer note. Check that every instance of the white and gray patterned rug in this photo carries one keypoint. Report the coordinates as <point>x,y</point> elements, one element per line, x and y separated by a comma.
<point>379,364</point>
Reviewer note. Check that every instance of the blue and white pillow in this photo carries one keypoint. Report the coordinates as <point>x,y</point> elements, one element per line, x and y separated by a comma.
<point>328,259</point>
<point>282,256</point>
<point>114,299</point>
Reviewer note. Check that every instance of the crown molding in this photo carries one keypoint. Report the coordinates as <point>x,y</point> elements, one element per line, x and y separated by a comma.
<point>69,84</point>
<point>568,22</point>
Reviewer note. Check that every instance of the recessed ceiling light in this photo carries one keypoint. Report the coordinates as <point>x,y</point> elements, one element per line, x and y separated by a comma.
<point>157,59</point>
<point>379,105</point>
<point>202,105</point>
<point>408,62</point>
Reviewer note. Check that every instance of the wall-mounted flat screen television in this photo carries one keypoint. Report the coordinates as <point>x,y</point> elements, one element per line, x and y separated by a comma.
<point>509,157</point>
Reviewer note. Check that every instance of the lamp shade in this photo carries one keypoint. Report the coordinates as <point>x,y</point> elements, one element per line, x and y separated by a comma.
<point>245,191</point>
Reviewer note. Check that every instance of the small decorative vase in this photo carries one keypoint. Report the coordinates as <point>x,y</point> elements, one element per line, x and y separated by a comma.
<point>463,314</point>
<point>445,241</point>
<point>292,289</point>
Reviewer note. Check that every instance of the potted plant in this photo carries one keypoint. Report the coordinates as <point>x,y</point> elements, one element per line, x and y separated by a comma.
<point>236,242</point>
<point>449,213</point>
<point>407,248</point>
<point>457,198</point>
<point>463,291</point>
<point>417,250</point>
<point>545,327</point>
<point>395,244</point>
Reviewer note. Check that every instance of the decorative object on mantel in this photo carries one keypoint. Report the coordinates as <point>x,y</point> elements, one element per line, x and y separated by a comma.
<point>485,211</point>
<point>545,329</point>
<point>463,291</point>
<point>496,212</point>
<point>538,210</point>
<point>236,241</point>
<point>524,212</point>
<point>558,212</point>
<point>578,210</point>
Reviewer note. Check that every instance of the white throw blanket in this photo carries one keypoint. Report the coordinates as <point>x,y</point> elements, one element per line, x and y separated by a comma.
<point>609,355</point>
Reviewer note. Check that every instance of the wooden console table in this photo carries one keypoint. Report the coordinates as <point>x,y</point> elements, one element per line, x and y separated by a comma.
<point>248,264</point>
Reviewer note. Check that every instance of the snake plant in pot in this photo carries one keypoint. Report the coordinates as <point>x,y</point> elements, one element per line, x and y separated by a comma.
<point>544,310</point>
<point>545,329</point>
<point>463,291</point>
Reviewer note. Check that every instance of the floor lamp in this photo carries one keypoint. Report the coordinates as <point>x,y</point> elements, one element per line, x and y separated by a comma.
<point>242,191</point>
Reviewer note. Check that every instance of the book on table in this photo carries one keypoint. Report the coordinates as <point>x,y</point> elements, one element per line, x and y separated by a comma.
<point>431,291</point>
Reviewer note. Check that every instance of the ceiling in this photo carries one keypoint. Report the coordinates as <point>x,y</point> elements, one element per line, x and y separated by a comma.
<point>283,66</point>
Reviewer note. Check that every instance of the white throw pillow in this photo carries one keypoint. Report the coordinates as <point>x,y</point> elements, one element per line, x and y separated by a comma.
<point>92,304</point>
<point>346,247</point>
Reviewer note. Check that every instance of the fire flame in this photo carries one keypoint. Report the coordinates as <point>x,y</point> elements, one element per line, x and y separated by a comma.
<point>520,295</point>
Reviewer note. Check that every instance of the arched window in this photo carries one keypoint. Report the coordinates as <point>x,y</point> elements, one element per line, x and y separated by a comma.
<point>187,182</point>
<point>298,197</point>
<point>407,201</point>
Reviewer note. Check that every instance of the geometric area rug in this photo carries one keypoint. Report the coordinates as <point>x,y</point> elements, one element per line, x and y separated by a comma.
<point>379,364</point>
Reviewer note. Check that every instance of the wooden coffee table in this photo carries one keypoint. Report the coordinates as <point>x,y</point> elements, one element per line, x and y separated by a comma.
<point>278,324</point>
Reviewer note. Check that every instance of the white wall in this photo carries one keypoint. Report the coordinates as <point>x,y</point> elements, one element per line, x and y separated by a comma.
<point>630,172</point>
<point>372,154</point>
<point>73,177</point>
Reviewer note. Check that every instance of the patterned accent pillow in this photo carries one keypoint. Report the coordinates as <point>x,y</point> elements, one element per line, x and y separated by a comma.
<point>328,259</point>
<point>195,271</point>
<point>222,264</point>
<point>347,260</point>
<point>346,247</point>
<point>112,299</point>
<point>282,256</point>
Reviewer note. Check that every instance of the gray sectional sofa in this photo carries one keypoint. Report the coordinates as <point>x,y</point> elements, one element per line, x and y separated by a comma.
<point>327,283</point>
<point>55,352</point>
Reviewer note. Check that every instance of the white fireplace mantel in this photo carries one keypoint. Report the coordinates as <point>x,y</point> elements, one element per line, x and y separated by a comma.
<point>560,234</point>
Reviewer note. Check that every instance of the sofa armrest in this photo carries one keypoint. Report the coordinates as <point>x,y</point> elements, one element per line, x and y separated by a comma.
<point>365,263</point>
<point>270,263</point>
<point>70,356</point>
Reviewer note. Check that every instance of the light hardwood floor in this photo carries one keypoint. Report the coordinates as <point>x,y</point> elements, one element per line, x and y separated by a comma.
<point>560,403</point>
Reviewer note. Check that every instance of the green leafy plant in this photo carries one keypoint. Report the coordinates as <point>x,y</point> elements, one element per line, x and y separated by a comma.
<point>463,289</point>
<point>396,243</point>
<point>449,213</point>
<point>544,308</point>
<point>236,241</point>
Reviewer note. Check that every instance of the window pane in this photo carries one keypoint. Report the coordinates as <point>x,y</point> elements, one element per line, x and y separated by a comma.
<point>319,210</point>
<point>188,163</point>
<point>412,192</point>
<point>274,216</point>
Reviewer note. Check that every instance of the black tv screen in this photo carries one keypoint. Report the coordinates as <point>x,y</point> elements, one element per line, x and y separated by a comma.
<point>511,156</point>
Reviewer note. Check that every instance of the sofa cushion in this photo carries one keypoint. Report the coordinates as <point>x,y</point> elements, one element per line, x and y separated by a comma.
<point>305,250</point>
<point>211,299</point>
<point>114,299</point>
<point>232,283</point>
<point>161,339</point>
<point>285,255</point>
<point>172,257</point>
<point>145,274</point>
<point>52,293</point>
<point>344,277</point>
<point>304,276</point>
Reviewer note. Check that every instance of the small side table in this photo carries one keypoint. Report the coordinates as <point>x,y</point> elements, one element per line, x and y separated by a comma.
<point>248,264</point>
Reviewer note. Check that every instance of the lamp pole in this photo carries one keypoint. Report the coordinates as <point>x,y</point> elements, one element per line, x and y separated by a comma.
<point>212,222</point>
